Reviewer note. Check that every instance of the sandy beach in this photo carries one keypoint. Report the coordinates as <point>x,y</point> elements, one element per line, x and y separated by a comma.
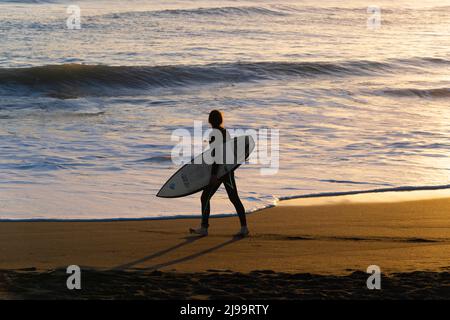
<point>298,249</point>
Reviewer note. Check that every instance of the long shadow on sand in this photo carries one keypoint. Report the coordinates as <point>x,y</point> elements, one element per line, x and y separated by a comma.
<point>193,256</point>
<point>187,241</point>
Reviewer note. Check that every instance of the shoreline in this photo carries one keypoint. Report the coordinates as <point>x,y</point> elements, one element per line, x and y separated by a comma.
<point>409,193</point>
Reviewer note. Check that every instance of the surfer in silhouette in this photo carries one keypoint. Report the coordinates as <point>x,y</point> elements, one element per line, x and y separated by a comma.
<point>216,122</point>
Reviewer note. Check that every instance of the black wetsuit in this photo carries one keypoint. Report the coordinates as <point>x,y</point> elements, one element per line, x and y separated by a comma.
<point>230,186</point>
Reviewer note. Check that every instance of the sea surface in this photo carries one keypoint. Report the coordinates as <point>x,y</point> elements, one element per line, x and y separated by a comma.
<point>87,115</point>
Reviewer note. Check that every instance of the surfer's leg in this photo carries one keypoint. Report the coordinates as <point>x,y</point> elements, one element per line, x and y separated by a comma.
<point>230,186</point>
<point>207,193</point>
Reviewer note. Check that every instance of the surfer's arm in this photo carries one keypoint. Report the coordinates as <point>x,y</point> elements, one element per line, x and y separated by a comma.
<point>215,166</point>
<point>214,169</point>
<point>214,180</point>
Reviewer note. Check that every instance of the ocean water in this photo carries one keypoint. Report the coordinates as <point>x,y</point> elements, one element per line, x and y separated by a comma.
<point>86,116</point>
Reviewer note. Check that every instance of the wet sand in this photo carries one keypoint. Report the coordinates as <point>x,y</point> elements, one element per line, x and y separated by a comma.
<point>296,250</point>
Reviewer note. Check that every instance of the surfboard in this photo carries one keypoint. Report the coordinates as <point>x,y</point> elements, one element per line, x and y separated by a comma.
<point>195,175</point>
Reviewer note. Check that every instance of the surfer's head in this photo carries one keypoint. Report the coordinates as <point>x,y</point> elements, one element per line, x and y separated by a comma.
<point>215,119</point>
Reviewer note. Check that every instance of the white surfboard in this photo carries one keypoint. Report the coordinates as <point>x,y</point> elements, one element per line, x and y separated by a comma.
<point>194,176</point>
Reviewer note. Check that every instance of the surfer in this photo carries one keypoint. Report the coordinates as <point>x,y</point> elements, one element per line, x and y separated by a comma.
<point>216,122</point>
